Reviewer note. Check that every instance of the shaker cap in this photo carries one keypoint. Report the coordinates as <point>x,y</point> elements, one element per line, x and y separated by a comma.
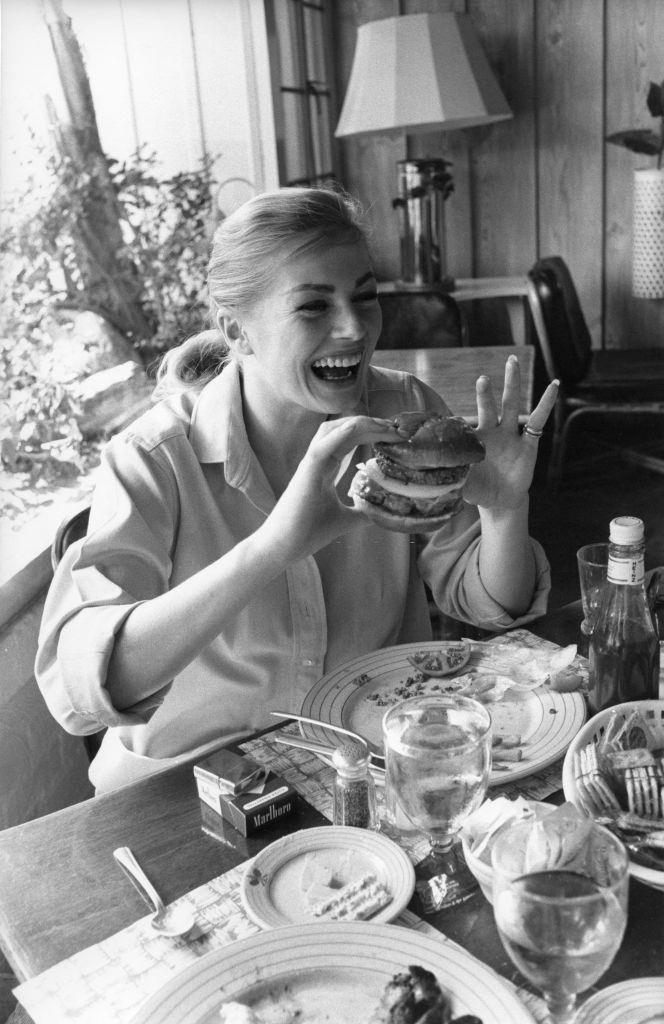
<point>626,530</point>
<point>350,756</point>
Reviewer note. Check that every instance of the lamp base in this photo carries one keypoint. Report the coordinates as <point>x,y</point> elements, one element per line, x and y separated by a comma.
<point>423,185</point>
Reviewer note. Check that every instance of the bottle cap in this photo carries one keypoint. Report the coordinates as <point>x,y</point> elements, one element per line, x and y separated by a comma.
<point>350,755</point>
<point>626,530</point>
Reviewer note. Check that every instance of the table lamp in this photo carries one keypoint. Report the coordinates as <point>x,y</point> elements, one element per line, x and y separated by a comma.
<point>418,73</point>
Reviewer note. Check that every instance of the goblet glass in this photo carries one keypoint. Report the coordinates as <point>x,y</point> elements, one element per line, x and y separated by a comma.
<point>561,926</point>
<point>437,763</point>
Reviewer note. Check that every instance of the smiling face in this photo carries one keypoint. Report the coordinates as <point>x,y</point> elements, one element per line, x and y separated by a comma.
<point>309,339</point>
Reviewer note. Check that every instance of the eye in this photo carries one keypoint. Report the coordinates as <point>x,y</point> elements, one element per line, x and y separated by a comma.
<point>315,306</point>
<point>366,296</point>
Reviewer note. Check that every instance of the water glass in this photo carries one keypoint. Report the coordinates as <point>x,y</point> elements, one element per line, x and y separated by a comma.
<point>592,560</point>
<point>437,764</point>
<point>561,925</point>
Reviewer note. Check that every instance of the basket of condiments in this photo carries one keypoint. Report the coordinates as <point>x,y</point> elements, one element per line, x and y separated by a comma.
<point>614,772</point>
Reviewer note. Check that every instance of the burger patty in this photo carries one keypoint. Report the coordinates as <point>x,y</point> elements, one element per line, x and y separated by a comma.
<point>439,475</point>
<point>401,504</point>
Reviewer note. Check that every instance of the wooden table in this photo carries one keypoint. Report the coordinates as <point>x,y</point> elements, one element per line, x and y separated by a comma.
<point>61,891</point>
<point>452,372</point>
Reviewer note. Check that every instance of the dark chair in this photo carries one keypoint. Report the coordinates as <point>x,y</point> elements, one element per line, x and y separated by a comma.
<point>614,382</point>
<point>72,528</point>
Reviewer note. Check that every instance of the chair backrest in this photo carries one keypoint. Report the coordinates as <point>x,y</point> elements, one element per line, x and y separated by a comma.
<point>70,529</point>
<point>566,327</point>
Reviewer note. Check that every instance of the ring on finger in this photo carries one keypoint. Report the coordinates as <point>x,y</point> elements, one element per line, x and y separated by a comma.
<point>531,432</point>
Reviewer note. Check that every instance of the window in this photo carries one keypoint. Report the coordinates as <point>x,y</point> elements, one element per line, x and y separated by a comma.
<point>304,104</point>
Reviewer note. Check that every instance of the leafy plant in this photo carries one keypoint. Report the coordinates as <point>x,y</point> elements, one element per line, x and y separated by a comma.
<point>645,140</point>
<point>166,225</point>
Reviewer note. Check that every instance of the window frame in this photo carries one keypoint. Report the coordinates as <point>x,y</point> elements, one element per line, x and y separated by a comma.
<point>297,55</point>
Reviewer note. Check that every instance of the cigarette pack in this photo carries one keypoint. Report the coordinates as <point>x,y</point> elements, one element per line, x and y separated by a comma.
<point>229,772</point>
<point>246,795</point>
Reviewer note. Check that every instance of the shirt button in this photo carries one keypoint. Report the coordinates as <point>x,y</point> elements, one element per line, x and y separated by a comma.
<point>308,662</point>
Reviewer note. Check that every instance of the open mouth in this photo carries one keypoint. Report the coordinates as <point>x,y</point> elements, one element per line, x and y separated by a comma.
<point>337,368</point>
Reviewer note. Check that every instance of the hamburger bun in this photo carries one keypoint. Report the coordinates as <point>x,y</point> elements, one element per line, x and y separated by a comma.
<point>414,484</point>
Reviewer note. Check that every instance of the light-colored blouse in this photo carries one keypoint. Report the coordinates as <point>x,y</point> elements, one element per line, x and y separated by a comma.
<point>176,490</point>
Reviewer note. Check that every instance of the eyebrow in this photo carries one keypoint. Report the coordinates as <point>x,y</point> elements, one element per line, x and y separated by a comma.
<point>329,287</point>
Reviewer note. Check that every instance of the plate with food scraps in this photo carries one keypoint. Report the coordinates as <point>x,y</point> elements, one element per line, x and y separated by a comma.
<point>327,874</point>
<point>334,973</point>
<point>532,724</point>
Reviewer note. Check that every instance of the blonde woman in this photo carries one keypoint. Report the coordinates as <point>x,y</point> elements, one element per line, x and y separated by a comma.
<point>224,570</point>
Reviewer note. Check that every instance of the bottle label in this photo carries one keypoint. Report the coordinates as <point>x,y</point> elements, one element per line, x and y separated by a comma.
<point>625,570</point>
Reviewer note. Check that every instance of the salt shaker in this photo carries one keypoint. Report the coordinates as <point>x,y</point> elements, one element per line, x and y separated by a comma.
<point>354,787</point>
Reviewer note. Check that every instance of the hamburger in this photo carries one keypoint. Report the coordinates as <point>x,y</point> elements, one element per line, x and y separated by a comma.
<point>414,485</point>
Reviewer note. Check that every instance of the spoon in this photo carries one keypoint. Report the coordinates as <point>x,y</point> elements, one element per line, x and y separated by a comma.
<point>171,921</point>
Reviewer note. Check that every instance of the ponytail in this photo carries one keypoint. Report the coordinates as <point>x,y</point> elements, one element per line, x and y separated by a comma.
<point>191,365</point>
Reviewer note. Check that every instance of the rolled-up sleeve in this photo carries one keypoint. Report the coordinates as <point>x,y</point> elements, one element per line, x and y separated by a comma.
<point>123,560</point>
<point>449,562</point>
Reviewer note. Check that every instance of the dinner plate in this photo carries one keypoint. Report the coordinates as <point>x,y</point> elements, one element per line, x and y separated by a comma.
<point>357,694</point>
<point>287,876</point>
<point>627,1002</point>
<point>336,972</point>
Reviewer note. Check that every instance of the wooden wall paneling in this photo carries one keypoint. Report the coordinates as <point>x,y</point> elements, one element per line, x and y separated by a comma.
<point>161,62</point>
<point>503,156</point>
<point>633,60</point>
<point>569,88</point>
<point>368,163</point>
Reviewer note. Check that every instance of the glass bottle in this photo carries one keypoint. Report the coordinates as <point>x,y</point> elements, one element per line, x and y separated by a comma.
<point>354,787</point>
<point>624,647</point>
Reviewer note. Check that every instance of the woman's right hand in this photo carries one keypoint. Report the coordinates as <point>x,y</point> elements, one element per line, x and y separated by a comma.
<point>309,514</point>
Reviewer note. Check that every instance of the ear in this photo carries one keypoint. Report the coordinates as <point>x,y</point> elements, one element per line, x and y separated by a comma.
<point>233,333</point>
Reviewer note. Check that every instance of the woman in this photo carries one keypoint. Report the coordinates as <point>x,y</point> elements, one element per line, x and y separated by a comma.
<point>224,572</point>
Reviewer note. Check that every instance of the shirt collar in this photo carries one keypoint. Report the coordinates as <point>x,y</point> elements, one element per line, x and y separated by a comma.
<point>217,430</point>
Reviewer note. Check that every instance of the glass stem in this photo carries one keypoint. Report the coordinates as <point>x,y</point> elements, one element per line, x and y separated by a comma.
<point>440,846</point>
<point>562,1008</point>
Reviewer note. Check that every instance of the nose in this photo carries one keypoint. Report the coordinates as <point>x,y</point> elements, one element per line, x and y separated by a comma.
<point>349,323</point>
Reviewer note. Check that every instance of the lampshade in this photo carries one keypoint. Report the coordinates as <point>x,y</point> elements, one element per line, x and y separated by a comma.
<point>420,72</point>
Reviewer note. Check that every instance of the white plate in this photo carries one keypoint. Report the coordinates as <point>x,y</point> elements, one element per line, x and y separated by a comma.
<point>356,696</point>
<point>628,1002</point>
<point>272,888</point>
<point>338,969</point>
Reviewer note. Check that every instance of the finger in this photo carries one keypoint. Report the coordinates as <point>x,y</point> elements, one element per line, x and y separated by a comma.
<point>511,399</point>
<point>543,409</point>
<point>336,437</point>
<point>487,410</point>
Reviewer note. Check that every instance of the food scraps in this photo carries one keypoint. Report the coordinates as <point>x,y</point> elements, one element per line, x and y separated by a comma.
<point>411,996</point>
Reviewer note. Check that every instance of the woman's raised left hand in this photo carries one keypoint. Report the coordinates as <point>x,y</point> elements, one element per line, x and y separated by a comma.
<point>502,480</point>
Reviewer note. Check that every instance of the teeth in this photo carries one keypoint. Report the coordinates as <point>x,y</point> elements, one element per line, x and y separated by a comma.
<point>338,361</point>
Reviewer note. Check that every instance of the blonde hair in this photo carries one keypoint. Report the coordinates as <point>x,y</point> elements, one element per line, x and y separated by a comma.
<point>247,246</point>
